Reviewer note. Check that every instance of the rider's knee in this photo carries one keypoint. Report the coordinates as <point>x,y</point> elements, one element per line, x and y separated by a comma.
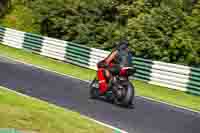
<point>107,74</point>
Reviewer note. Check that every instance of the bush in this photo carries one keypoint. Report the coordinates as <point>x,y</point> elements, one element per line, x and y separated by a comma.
<point>4,6</point>
<point>20,17</point>
<point>165,30</point>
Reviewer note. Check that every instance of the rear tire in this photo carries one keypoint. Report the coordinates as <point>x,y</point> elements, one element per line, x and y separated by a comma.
<point>94,90</point>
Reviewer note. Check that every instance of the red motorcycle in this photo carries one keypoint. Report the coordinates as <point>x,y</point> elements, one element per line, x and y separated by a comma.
<point>121,91</point>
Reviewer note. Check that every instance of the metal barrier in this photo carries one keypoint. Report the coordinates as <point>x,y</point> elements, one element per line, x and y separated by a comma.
<point>173,76</point>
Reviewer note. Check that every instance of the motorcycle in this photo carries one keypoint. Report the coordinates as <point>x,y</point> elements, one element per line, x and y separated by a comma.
<point>122,91</point>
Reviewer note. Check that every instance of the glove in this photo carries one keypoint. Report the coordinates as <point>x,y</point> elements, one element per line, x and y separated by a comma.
<point>102,64</point>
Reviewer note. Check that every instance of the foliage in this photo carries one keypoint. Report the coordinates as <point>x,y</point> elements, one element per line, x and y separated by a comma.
<point>165,30</point>
<point>20,17</point>
<point>4,6</point>
<point>96,23</point>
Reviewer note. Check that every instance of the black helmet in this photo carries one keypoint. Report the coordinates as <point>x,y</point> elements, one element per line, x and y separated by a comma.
<point>123,44</point>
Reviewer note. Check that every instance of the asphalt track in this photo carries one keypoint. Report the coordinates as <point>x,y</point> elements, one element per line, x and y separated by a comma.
<point>147,117</point>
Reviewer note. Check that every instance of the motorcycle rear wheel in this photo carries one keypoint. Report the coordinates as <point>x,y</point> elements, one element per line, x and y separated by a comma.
<point>94,90</point>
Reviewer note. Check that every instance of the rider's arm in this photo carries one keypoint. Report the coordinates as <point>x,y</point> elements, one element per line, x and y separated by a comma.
<point>111,57</point>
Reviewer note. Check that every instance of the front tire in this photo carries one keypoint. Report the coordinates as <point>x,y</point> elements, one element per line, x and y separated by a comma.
<point>129,96</point>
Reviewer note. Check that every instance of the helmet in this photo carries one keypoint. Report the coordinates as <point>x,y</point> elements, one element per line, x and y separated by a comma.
<point>123,44</point>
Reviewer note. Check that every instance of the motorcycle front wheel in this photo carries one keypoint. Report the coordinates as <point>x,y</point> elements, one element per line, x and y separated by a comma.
<point>130,94</point>
<point>128,98</point>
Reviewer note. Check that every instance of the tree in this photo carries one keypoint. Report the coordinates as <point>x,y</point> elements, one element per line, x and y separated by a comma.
<point>96,23</point>
<point>165,30</point>
<point>4,5</point>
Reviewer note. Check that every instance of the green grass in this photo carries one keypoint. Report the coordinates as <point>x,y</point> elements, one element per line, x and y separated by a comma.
<point>143,89</point>
<point>168,95</point>
<point>30,114</point>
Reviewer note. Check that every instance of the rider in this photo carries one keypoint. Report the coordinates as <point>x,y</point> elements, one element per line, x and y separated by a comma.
<point>112,64</point>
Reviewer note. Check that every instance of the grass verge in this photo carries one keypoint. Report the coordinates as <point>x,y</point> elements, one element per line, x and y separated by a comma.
<point>30,114</point>
<point>143,89</point>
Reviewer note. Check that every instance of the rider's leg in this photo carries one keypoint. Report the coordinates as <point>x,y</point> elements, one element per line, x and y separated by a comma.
<point>105,79</point>
<point>109,77</point>
<point>107,74</point>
